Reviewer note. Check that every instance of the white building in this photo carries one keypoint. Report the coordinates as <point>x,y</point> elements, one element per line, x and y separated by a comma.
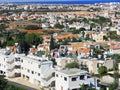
<point>45,25</point>
<point>9,64</point>
<point>72,79</point>
<point>37,70</point>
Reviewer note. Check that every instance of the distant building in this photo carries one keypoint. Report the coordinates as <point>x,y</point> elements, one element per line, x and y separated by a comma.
<point>94,64</point>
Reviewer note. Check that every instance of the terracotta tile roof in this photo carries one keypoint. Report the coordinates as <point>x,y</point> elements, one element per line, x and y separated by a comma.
<point>46,36</point>
<point>84,50</point>
<point>115,47</point>
<point>34,50</point>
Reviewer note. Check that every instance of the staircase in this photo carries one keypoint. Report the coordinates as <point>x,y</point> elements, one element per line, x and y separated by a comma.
<point>47,83</point>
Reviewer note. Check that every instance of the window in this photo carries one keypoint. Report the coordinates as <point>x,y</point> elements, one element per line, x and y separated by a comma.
<point>38,74</point>
<point>17,59</point>
<point>74,79</point>
<point>17,66</point>
<point>65,78</point>
<point>53,74</point>
<point>28,70</point>
<point>21,60</point>
<point>56,75</point>
<point>74,89</point>
<point>82,77</point>
<point>97,65</point>
<point>32,72</point>
<point>39,66</point>
<point>89,76</point>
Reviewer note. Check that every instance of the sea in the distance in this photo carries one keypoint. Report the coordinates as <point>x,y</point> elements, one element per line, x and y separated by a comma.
<point>65,2</point>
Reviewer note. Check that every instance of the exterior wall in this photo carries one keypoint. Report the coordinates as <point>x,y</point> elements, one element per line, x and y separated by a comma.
<point>63,61</point>
<point>33,70</point>
<point>60,83</point>
<point>30,69</point>
<point>8,65</point>
<point>98,37</point>
<point>68,84</point>
<point>93,65</point>
<point>76,84</point>
<point>109,64</point>
<point>2,63</point>
<point>116,51</point>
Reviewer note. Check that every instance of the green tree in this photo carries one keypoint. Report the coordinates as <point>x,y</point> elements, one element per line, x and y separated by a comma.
<point>3,27</point>
<point>96,52</point>
<point>74,31</point>
<point>13,87</point>
<point>3,83</point>
<point>5,86</point>
<point>113,86</point>
<point>52,43</point>
<point>54,61</point>
<point>112,35</point>
<point>116,57</point>
<point>65,42</point>
<point>42,89</point>
<point>32,27</point>
<point>87,37</point>
<point>9,39</point>
<point>42,52</point>
<point>56,45</point>
<point>72,65</point>
<point>91,89</point>
<point>102,70</point>
<point>25,47</point>
<point>101,20</point>
<point>82,29</point>
<point>74,40</point>
<point>59,26</point>
<point>101,88</point>
<point>83,87</point>
<point>10,43</point>
<point>33,39</point>
<point>83,33</point>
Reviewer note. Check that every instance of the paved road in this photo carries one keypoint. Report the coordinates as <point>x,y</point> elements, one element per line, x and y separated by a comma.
<point>20,85</point>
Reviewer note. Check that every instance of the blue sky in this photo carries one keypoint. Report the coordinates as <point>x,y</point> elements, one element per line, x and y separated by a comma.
<point>49,0</point>
<point>45,0</point>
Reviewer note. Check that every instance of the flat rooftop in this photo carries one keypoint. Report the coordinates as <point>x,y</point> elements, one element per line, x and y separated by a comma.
<point>73,71</point>
<point>36,59</point>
